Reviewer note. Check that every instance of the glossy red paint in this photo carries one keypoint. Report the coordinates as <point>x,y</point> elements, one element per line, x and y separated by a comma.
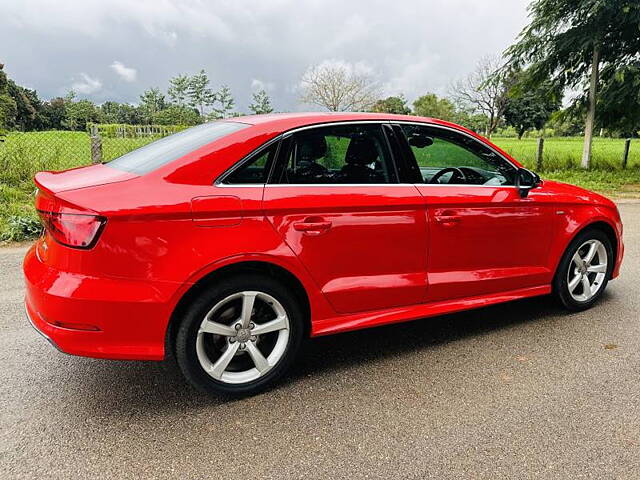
<point>365,255</point>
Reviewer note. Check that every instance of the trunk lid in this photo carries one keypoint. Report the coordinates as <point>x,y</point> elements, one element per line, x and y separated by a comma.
<point>81,177</point>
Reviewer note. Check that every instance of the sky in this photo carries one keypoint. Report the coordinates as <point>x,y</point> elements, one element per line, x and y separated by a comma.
<point>115,49</point>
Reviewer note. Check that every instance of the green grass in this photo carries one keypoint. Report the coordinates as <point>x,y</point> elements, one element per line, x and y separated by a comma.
<point>562,153</point>
<point>22,155</point>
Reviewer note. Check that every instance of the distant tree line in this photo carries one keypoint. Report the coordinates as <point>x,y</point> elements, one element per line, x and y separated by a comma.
<point>585,53</point>
<point>189,100</point>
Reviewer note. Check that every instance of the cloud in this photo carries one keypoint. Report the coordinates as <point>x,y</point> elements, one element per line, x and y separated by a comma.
<point>257,85</point>
<point>128,74</point>
<point>421,46</point>
<point>87,85</point>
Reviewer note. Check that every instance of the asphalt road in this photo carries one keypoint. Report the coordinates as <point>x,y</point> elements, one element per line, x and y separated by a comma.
<point>521,390</point>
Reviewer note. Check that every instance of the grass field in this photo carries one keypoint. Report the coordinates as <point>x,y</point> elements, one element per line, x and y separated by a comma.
<point>24,154</point>
<point>563,153</point>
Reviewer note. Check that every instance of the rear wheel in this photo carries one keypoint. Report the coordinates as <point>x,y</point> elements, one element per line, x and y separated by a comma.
<point>584,270</point>
<point>239,336</point>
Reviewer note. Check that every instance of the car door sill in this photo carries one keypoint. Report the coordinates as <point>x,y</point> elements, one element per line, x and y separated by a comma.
<point>344,323</point>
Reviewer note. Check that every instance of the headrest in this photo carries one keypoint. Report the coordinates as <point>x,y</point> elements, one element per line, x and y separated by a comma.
<point>361,151</point>
<point>311,148</point>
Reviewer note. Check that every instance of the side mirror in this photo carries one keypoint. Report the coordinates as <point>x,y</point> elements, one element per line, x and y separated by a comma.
<point>526,180</point>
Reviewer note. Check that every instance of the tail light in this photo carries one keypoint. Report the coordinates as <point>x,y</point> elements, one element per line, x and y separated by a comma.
<point>72,229</point>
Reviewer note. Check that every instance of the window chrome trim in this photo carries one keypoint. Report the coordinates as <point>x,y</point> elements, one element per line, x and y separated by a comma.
<point>332,185</point>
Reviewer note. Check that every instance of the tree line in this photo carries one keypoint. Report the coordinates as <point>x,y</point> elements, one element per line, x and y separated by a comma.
<point>575,69</point>
<point>189,100</point>
<point>583,52</point>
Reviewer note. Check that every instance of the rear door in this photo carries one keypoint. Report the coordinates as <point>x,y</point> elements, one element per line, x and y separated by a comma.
<point>483,237</point>
<point>335,199</point>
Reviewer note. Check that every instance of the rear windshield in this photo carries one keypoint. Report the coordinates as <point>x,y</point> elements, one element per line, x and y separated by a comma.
<point>168,149</point>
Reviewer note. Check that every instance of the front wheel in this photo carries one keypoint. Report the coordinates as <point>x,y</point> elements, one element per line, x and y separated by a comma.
<point>240,336</point>
<point>584,270</point>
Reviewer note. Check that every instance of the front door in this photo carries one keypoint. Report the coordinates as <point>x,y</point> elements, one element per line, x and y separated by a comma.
<point>336,201</point>
<point>483,237</point>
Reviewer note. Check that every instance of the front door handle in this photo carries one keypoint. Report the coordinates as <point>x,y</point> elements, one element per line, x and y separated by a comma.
<point>448,219</point>
<point>312,226</point>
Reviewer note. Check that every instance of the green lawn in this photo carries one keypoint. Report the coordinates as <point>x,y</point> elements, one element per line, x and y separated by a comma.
<point>561,153</point>
<point>24,154</point>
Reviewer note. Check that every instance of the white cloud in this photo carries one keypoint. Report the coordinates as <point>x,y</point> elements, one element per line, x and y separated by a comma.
<point>257,84</point>
<point>86,85</point>
<point>128,74</point>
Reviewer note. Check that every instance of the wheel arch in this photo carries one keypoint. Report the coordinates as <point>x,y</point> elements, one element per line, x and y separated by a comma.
<point>598,224</point>
<point>270,269</point>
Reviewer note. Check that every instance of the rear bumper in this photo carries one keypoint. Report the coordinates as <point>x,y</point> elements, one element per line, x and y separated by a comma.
<point>97,317</point>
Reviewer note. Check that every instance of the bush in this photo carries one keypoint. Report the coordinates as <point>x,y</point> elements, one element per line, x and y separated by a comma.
<point>21,228</point>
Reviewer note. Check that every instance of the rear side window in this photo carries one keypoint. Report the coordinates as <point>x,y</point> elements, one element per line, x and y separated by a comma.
<point>168,149</point>
<point>256,170</point>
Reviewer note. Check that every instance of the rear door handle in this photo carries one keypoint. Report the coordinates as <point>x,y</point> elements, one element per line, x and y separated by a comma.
<point>312,227</point>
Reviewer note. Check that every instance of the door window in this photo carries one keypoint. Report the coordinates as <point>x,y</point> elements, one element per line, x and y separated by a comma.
<point>448,157</point>
<point>341,154</point>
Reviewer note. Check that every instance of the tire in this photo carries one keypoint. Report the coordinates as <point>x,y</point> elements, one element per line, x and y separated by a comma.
<point>569,285</point>
<point>231,335</point>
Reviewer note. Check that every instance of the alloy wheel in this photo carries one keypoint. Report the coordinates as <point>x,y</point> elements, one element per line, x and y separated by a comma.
<point>242,337</point>
<point>587,270</point>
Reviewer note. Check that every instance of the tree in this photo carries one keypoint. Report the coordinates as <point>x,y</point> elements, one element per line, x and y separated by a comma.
<point>261,103</point>
<point>568,41</point>
<point>179,90</point>
<point>224,103</point>
<point>79,113</point>
<point>529,108</point>
<point>396,104</point>
<point>54,114</point>
<point>114,112</point>
<point>430,105</point>
<point>566,123</point>
<point>200,95</point>
<point>8,107</point>
<point>485,92</point>
<point>151,102</point>
<point>35,121</point>
<point>176,115</point>
<point>618,105</point>
<point>338,87</point>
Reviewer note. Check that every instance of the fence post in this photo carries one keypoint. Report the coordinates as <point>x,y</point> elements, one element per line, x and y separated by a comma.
<point>539,154</point>
<point>625,156</point>
<point>96,145</point>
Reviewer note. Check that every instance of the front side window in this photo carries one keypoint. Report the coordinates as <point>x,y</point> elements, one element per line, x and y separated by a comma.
<point>167,149</point>
<point>341,154</point>
<point>448,157</point>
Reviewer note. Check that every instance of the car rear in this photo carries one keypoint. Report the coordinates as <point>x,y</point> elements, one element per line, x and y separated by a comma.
<point>103,279</point>
<point>69,299</point>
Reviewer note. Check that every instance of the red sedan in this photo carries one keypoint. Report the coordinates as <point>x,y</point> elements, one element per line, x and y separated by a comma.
<point>227,244</point>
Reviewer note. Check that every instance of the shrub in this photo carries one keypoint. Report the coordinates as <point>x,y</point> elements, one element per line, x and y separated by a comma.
<point>21,228</point>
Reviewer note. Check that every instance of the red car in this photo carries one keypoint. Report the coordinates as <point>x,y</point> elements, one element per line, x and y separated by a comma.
<point>227,244</point>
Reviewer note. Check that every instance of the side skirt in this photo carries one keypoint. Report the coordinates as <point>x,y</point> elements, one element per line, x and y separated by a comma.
<point>345,323</point>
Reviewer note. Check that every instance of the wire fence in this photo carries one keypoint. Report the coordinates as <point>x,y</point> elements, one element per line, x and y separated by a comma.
<point>22,155</point>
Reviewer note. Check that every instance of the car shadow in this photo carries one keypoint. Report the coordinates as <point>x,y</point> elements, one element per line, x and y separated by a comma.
<point>352,348</point>
<point>115,388</point>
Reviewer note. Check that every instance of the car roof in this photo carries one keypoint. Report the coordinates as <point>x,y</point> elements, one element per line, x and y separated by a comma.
<point>286,121</point>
